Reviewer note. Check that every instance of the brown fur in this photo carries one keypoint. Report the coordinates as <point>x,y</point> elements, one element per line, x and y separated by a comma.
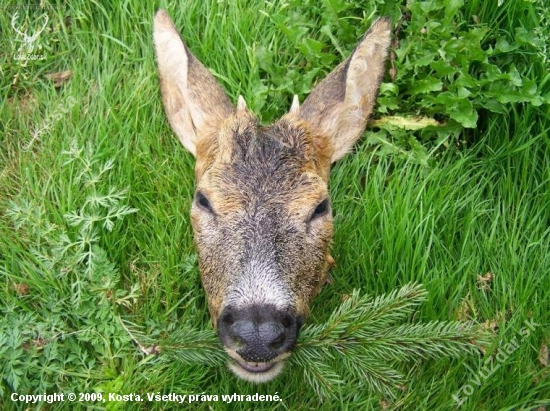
<point>260,240</point>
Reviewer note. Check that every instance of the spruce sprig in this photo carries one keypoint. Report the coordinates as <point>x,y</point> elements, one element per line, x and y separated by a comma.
<point>364,335</point>
<point>367,336</point>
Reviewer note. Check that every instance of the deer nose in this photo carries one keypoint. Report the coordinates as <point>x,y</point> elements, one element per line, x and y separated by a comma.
<point>259,342</point>
<point>258,334</point>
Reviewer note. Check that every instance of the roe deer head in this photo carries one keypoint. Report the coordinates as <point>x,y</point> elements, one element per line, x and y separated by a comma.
<point>261,215</point>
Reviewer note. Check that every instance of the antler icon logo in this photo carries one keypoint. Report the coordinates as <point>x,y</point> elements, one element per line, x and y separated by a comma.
<point>28,41</point>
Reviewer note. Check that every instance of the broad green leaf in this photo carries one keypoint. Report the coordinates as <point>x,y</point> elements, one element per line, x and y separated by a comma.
<point>463,92</point>
<point>425,86</point>
<point>494,106</point>
<point>447,98</point>
<point>492,72</point>
<point>451,7</point>
<point>425,60</point>
<point>503,46</point>
<point>528,37</point>
<point>515,77</point>
<point>443,68</point>
<point>464,113</point>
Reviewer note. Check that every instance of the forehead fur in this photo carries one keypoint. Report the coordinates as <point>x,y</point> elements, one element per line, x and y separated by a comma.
<point>249,154</point>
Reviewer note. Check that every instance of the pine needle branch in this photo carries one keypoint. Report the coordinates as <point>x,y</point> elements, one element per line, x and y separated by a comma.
<point>195,346</point>
<point>362,337</point>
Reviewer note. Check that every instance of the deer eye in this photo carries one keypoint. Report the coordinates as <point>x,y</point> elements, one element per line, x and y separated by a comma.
<point>203,202</point>
<point>320,210</point>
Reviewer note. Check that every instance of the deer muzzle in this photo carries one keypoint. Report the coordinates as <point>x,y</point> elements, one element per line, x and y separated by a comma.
<point>258,338</point>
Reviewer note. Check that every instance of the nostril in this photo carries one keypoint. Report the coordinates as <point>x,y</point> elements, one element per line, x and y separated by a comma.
<point>242,333</point>
<point>278,342</point>
<point>237,342</point>
<point>287,321</point>
<point>227,319</point>
<point>272,334</point>
<point>231,331</point>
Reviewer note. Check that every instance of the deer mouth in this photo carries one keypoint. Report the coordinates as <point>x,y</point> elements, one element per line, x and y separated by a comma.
<point>257,372</point>
<point>256,366</point>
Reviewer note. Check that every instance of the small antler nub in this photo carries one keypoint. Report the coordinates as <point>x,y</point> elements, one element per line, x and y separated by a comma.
<point>241,104</point>
<point>295,107</point>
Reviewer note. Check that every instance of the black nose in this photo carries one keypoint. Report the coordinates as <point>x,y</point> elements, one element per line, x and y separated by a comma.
<point>258,333</point>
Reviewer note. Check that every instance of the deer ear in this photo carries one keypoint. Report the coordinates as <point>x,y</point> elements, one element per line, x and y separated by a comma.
<point>338,108</point>
<point>194,101</point>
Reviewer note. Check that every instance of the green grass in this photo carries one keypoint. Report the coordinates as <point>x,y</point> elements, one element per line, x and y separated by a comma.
<point>440,208</point>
